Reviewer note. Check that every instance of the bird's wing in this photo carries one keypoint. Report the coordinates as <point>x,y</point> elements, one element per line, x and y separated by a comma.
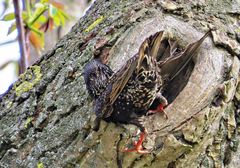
<point>156,44</point>
<point>103,105</point>
<point>173,64</point>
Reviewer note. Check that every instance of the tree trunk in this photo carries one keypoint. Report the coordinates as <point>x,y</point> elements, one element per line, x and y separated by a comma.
<point>46,117</point>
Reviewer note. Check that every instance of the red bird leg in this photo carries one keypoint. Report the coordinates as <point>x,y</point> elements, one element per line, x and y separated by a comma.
<point>138,145</point>
<point>159,109</point>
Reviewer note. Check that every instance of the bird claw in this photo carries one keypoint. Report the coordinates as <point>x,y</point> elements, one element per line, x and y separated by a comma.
<point>138,145</point>
<point>137,148</point>
<point>140,151</point>
<point>159,109</point>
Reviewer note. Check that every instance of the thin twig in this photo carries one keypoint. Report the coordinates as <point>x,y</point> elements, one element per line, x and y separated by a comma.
<point>4,65</point>
<point>8,42</point>
<point>5,5</point>
<point>21,36</point>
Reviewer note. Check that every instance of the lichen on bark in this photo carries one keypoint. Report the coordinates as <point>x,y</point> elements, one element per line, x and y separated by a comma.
<point>30,78</point>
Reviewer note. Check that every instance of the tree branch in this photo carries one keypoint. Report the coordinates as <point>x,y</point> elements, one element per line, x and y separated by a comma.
<point>21,36</point>
<point>8,42</point>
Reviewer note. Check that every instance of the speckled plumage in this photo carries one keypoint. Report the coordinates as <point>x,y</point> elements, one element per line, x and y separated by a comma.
<point>126,95</point>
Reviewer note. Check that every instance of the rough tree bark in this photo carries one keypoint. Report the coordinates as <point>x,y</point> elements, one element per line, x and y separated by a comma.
<point>46,116</point>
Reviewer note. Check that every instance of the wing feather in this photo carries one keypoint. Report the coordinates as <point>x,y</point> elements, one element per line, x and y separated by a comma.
<point>171,66</point>
<point>103,105</point>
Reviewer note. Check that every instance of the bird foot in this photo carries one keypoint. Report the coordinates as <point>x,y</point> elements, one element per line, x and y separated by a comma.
<point>159,109</point>
<point>138,150</point>
<point>138,146</point>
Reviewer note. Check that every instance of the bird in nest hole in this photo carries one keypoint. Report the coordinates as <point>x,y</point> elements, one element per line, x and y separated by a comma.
<point>128,94</point>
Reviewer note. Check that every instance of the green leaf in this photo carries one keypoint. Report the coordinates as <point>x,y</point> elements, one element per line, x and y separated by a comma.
<point>66,16</point>
<point>62,18</point>
<point>44,1</point>
<point>40,9</point>
<point>57,21</point>
<point>12,28</point>
<point>24,16</point>
<point>52,11</point>
<point>34,29</point>
<point>9,16</point>
<point>42,19</point>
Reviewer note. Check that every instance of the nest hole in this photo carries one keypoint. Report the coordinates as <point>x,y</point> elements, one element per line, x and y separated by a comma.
<point>172,88</point>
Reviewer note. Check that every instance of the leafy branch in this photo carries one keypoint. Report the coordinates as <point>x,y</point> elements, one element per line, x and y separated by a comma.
<point>32,23</point>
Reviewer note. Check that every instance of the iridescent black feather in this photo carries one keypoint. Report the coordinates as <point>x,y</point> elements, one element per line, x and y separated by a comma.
<point>96,76</point>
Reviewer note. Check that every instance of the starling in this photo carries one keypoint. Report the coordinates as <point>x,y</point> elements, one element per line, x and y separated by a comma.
<point>125,96</point>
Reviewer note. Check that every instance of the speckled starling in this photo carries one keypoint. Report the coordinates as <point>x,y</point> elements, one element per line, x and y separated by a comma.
<point>126,95</point>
